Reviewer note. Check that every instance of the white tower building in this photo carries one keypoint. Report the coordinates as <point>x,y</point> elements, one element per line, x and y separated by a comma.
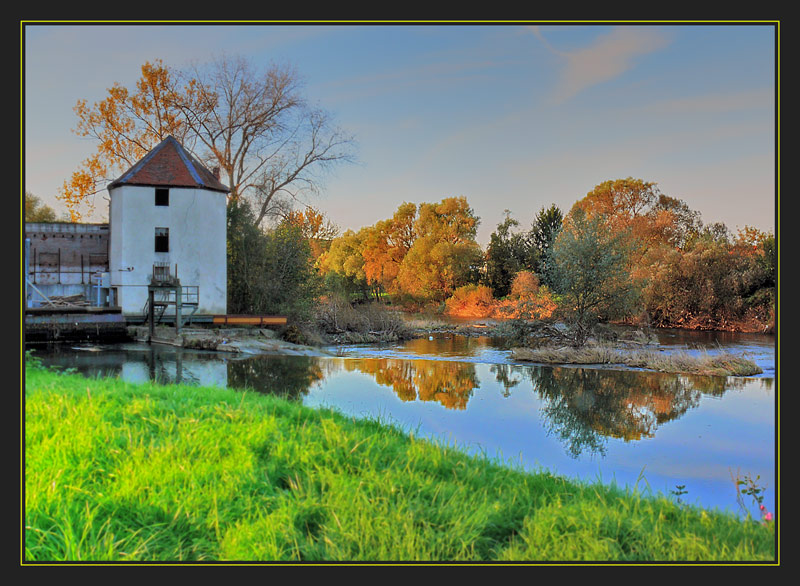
<point>168,214</point>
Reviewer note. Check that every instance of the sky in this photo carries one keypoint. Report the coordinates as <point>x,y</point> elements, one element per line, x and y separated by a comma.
<point>513,117</point>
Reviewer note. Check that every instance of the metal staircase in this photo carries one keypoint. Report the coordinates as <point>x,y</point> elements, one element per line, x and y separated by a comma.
<point>164,290</point>
<point>190,300</point>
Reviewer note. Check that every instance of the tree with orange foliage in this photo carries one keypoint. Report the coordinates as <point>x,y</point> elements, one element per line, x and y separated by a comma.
<point>525,284</point>
<point>471,301</point>
<point>528,299</point>
<point>426,255</point>
<point>386,245</point>
<point>444,255</point>
<point>639,208</point>
<point>315,228</point>
<point>126,125</point>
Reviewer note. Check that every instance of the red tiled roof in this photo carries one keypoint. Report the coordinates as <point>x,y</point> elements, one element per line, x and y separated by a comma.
<point>170,165</point>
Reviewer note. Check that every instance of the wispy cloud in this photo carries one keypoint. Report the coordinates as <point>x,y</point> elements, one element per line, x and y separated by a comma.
<point>424,77</point>
<point>607,58</point>
<point>763,99</point>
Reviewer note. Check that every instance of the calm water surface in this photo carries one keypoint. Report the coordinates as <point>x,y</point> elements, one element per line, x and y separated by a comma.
<point>650,430</point>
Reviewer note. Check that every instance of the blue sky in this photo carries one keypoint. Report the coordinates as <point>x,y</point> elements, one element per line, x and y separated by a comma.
<point>511,116</point>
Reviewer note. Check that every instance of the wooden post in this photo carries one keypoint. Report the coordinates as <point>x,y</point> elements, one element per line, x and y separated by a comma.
<point>151,312</point>
<point>178,302</point>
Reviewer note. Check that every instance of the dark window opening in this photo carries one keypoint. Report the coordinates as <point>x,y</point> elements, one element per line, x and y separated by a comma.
<point>162,197</point>
<point>162,239</point>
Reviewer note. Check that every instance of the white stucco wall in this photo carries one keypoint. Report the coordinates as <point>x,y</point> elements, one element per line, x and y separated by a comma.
<point>197,244</point>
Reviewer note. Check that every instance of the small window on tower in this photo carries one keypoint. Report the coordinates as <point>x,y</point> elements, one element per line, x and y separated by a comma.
<point>162,239</point>
<point>162,197</point>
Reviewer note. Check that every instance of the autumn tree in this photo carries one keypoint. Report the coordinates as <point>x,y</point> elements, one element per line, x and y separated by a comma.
<point>315,227</point>
<point>716,281</point>
<point>343,265</point>
<point>424,251</point>
<point>385,246</point>
<point>638,207</point>
<point>674,222</point>
<point>471,301</point>
<point>444,255</point>
<point>254,124</point>
<point>623,202</point>
<point>125,126</point>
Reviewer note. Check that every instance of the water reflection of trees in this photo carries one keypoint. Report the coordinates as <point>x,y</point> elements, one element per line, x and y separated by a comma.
<point>584,407</point>
<point>446,345</point>
<point>289,377</point>
<point>449,383</point>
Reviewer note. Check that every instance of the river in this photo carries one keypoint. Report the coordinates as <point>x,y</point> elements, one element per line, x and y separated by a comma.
<point>688,437</point>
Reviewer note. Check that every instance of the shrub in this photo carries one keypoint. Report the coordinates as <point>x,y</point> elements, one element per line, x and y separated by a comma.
<point>471,301</point>
<point>525,284</point>
<point>336,315</point>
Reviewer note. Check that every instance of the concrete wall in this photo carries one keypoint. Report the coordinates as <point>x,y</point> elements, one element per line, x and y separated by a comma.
<point>63,253</point>
<point>196,220</point>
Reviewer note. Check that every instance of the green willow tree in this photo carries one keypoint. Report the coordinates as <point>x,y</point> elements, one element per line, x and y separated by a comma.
<point>589,267</point>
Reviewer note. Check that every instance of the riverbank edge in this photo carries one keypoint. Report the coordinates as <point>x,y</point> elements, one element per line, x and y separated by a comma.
<point>463,507</point>
<point>640,353</point>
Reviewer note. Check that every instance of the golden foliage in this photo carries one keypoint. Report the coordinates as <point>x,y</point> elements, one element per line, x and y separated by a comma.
<point>126,126</point>
<point>471,301</point>
<point>315,228</point>
<point>448,383</point>
<point>525,284</point>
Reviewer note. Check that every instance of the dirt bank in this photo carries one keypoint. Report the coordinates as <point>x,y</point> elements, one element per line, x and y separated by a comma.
<point>234,340</point>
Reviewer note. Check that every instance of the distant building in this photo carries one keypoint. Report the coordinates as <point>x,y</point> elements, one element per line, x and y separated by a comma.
<point>167,217</point>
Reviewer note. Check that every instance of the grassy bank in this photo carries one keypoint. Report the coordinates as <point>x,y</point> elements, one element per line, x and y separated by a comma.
<point>117,471</point>
<point>719,364</point>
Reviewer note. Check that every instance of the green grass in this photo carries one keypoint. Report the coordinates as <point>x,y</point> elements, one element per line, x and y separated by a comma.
<point>124,472</point>
<point>720,364</point>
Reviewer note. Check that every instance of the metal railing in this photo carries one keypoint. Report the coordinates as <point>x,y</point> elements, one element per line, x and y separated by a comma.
<point>190,299</point>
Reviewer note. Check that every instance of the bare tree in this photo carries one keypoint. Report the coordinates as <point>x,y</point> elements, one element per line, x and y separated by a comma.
<point>259,130</point>
<point>253,123</point>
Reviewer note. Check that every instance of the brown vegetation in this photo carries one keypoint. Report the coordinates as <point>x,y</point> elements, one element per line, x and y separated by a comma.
<point>343,322</point>
<point>719,364</point>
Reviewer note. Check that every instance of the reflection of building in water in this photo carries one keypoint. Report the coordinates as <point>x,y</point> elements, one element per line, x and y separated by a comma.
<point>176,367</point>
<point>449,383</point>
<point>142,364</point>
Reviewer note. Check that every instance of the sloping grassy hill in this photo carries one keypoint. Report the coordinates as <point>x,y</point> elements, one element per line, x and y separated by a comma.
<point>117,471</point>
